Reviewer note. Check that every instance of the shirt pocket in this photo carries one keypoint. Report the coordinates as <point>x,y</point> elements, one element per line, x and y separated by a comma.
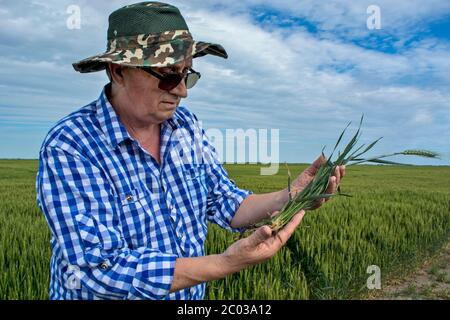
<point>195,176</point>
<point>136,216</point>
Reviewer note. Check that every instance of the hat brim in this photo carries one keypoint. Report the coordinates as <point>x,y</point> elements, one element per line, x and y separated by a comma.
<point>157,56</point>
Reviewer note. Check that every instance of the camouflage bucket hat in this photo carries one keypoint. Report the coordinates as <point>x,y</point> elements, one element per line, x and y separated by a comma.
<point>148,34</point>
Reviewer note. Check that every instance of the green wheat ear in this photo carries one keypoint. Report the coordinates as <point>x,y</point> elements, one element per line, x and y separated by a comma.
<point>421,153</point>
<point>349,155</point>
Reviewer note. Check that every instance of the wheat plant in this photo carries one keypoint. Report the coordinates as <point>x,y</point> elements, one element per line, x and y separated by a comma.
<point>351,155</point>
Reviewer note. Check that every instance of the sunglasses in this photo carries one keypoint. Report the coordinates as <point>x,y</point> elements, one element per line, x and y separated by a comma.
<point>168,81</point>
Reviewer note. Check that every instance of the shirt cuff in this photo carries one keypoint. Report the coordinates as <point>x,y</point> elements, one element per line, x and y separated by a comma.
<point>231,204</point>
<point>154,275</point>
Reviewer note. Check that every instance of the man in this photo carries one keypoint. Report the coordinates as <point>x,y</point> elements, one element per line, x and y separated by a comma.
<point>129,182</point>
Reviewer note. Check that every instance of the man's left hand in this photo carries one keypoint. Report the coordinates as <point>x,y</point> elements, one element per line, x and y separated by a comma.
<point>308,175</point>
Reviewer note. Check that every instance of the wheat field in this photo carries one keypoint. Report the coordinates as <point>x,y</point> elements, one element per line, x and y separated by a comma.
<point>396,218</point>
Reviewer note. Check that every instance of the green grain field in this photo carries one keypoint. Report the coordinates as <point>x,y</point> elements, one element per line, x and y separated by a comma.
<point>397,218</point>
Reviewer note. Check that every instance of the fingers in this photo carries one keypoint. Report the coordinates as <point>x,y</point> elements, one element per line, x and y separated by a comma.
<point>316,165</point>
<point>342,168</point>
<point>334,181</point>
<point>332,187</point>
<point>320,160</point>
<point>284,234</point>
<point>340,172</point>
<point>260,235</point>
<point>337,174</point>
<point>333,184</point>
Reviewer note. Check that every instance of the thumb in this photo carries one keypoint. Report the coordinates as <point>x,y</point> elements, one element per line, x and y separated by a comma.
<point>317,164</point>
<point>260,235</point>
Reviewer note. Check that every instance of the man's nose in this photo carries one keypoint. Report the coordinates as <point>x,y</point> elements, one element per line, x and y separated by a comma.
<point>180,90</point>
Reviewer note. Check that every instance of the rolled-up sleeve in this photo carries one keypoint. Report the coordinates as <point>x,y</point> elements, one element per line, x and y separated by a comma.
<point>224,199</point>
<point>224,196</point>
<point>75,198</point>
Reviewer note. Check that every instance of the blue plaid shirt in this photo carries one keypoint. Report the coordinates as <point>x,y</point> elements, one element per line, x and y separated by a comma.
<point>118,219</point>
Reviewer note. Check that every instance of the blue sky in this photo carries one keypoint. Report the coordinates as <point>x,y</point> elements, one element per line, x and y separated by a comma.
<point>303,67</point>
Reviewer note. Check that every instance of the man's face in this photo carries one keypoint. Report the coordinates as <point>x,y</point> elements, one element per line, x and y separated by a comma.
<point>146,102</point>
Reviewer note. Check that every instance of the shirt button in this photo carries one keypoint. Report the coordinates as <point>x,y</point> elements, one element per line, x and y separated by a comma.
<point>104,266</point>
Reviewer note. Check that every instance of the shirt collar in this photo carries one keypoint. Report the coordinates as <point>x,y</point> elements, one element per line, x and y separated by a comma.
<point>114,129</point>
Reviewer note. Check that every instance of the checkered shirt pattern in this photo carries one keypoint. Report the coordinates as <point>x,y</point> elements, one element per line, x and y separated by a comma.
<point>119,219</point>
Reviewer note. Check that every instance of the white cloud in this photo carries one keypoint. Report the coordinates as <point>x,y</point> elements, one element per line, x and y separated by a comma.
<point>307,85</point>
<point>423,117</point>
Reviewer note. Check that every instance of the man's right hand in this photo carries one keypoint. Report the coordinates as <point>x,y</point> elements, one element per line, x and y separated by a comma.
<point>256,248</point>
<point>260,245</point>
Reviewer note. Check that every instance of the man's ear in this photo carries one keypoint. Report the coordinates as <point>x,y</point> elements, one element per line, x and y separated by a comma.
<point>115,71</point>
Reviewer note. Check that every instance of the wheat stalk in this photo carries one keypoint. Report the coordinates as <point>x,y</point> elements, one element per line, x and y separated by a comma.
<point>307,198</point>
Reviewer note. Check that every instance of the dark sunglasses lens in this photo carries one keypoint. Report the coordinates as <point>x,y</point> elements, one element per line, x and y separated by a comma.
<point>191,80</point>
<point>170,81</point>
